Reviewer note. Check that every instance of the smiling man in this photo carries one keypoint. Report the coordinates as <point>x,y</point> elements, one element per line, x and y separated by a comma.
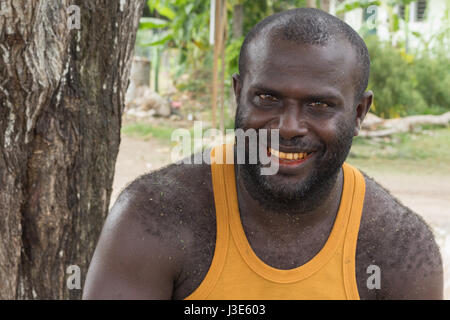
<point>317,229</point>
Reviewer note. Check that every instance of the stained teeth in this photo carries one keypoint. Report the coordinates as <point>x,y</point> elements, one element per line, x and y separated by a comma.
<point>285,155</point>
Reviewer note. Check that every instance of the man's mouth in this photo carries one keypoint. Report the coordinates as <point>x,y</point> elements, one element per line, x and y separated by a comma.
<point>289,158</point>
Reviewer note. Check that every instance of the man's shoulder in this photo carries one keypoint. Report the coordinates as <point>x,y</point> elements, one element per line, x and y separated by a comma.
<point>173,193</point>
<point>400,242</point>
<point>174,180</point>
<point>385,215</point>
<point>152,226</point>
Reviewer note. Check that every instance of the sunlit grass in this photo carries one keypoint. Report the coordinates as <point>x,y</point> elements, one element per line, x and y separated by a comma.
<point>146,131</point>
<point>423,151</point>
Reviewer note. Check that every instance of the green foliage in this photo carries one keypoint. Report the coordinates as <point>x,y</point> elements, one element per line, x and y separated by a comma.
<point>256,10</point>
<point>152,23</point>
<point>433,77</point>
<point>180,24</point>
<point>186,21</point>
<point>392,80</point>
<point>404,84</point>
<point>352,5</point>
<point>162,7</point>
<point>232,55</point>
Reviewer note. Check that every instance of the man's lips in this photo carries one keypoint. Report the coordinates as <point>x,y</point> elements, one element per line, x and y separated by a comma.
<point>288,155</point>
<point>289,160</point>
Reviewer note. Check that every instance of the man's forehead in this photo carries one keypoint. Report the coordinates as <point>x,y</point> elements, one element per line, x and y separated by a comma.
<point>278,60</point>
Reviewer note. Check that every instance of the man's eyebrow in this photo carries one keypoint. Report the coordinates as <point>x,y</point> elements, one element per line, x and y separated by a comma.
<point>266,90</point>
<point>328,97</point>
<point>307,97</point>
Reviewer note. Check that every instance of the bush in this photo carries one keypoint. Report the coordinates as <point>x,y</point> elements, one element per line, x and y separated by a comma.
<point>407,85</point>
<point>433,77</point>
<point>392,80</point>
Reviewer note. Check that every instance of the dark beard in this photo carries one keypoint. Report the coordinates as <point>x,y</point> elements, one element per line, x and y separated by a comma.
<point>304,196</point>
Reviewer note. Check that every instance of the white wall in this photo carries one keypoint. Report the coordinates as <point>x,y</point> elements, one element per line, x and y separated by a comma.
<point>432,23</point>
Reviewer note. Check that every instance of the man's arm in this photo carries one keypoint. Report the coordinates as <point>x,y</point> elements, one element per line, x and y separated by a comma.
<point>131,261</point>
<point>415,272</point>
<point>399,242</point>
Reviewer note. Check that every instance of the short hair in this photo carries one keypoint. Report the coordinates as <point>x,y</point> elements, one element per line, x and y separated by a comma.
<point>314,27</point>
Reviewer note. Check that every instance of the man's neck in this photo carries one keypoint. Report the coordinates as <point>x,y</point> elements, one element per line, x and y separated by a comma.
<point>270,219</point>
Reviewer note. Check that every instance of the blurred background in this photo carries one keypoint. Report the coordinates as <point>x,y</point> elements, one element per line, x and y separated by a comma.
<point>187,50</point>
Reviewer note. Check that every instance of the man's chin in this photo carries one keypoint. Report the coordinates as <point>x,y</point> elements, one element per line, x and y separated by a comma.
<point>287,187</point>
<point>277,188</point>
<point>290,193</point>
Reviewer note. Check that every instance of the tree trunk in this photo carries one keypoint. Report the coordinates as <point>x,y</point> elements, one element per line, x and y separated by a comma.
<point>61,98</point>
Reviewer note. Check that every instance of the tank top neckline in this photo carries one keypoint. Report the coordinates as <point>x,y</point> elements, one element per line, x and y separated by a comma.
<point>343,236</point>
<point>311,266</point>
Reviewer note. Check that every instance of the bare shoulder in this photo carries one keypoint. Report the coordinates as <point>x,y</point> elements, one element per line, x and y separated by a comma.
<point>149,231</point>
<point>399,242</point>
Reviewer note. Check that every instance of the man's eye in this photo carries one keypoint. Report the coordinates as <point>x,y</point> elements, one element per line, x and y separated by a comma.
<point>319,104</point>
<point>267,97</point>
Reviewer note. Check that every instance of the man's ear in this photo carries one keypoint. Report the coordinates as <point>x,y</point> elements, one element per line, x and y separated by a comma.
<point>361,110</point>
<point>237,87</point>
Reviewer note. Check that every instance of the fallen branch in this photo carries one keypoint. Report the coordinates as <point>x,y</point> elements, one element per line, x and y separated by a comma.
<point>378,127</point>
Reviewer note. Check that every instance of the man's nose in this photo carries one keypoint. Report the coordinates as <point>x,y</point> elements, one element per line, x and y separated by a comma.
<point>292,123</point>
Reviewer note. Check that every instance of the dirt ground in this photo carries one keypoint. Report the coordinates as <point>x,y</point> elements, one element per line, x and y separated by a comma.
<point>428,195</point>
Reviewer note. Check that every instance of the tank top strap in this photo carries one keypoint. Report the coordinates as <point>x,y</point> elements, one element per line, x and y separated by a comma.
<point>351,236</point>
<point>218,169</point>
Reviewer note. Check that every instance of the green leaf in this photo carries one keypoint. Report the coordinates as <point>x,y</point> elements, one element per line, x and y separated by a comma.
<point>162,8</point>
<point>152,23</point>
<point>395,23</point>
<point>347,7</point>
<point>158,40</point>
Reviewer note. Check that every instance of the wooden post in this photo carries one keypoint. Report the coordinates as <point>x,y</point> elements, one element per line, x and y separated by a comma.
<point>223,40</point>
<point>217,23</point>
<point>237,31</point>
<point>311,3</point>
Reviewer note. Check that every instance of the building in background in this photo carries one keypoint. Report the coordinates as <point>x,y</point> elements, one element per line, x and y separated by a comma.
<point>426,19</point>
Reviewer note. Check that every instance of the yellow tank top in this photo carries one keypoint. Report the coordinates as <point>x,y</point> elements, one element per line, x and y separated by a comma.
<point>237,273</point>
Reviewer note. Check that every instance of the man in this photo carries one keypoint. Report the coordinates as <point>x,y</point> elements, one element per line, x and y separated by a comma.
<point>317,229</point>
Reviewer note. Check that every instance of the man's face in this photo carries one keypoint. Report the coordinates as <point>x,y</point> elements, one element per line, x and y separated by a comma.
<point>307,92</point>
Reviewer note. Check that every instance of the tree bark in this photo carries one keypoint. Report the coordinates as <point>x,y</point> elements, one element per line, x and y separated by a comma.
<point>61,98</point>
